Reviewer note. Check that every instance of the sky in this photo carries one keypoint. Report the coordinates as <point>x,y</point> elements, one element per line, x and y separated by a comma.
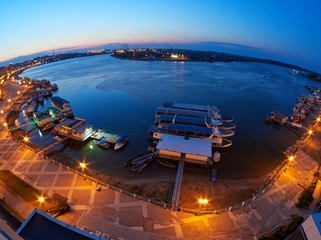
<point>284,30</point>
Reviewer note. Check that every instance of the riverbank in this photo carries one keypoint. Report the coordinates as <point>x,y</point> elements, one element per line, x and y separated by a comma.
<point>223,193</point>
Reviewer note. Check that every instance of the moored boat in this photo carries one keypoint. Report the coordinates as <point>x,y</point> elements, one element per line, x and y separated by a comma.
<point>213,174</point>
<point>166,163</point>
<point>121,142</point>
<point>63,105</point>
<point>140,166</point>
<point>102,143</point>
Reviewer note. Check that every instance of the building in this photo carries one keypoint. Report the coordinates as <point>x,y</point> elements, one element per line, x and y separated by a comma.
<point>40,226</point>
<point>311,227</point>
<point>192,150</point>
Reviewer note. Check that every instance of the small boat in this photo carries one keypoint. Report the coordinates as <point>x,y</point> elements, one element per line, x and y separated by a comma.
<point>216,156</point>
<point>213,175</point>
<point>121,142</point>
<point>166,163</point>
<point>140,166</point>
<point>102,143</point>
<point>139,159</point>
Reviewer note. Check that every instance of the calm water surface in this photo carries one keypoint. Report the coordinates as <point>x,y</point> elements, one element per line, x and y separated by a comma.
<point>120,96</point>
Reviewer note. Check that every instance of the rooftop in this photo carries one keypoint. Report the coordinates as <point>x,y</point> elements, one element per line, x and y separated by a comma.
<point>194,146</point>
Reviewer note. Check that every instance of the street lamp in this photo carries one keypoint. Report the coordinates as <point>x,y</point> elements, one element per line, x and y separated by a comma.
<point>83,166</point>
<point>310,132</point>
<point>5,124</point>
<point>41,199</point>
<point>318,119</point>
<point>203,201</point>
<point>291,158</point>
<point>26,139</point>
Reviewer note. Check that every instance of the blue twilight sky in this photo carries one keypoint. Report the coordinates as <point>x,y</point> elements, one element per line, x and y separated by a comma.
<point>286,30</point>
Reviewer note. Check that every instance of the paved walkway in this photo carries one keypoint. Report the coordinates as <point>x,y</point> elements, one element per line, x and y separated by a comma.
<point>118,215</point>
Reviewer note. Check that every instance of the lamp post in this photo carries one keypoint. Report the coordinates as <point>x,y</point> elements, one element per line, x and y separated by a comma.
<point>83,166</point>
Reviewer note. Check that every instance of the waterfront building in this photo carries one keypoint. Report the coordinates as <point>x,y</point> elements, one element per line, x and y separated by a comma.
<point>192,150</point>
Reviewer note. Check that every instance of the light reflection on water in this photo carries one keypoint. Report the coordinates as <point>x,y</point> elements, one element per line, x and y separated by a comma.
<point>121,96</point>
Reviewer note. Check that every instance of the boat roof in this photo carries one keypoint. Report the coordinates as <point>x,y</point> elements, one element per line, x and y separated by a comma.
<point>196,146</point>
<point>189,128</point>
<point>190,106</point>
<point>59,100</point>
<point>184,112</point>
<point>181,119</point>
<point>122,138</point>
<point>83,128</point>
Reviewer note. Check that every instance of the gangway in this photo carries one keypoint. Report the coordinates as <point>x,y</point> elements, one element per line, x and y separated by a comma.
<point>178,184</point>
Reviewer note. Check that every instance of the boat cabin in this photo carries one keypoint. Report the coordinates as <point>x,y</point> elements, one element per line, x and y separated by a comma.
<point>75,129</point>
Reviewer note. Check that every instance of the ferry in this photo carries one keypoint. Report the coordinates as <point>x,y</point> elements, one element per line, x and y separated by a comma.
<point>63,105</point>
<point>121,142</point>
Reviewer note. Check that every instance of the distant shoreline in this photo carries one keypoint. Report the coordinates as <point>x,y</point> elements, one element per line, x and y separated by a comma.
<point>182,55</point>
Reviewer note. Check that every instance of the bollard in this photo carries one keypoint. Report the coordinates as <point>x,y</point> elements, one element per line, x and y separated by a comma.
<point>120,190</point>
<point>254,198</point>
<point>243,203</point>
<point>134,195</point>
<point>164,205</point>
<point>214,211</point>
<point>68,168</point>
<point>149,200</point>
<point>230,209</point>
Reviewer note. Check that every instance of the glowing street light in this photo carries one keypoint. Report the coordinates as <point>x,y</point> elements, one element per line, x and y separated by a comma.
<point>203,201</point>
<point>318,119</point>
<point>41,199</point>
<point>18,92</point>
<point>1,111</point>
<point>310,132</point>
<point>26,139</point>
<point>83,166</point>
<point>9,100</point>
<point>5,124</point>
<point>291,158</point>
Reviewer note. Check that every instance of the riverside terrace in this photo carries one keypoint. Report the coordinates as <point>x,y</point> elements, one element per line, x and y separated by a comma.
<point>113,212</point>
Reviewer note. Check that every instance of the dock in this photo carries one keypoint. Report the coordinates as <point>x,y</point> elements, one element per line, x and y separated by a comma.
<point>110,138</point>
<point>178,184</point>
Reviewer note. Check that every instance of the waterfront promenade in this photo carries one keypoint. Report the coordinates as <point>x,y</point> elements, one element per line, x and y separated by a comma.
<point>112,212</point>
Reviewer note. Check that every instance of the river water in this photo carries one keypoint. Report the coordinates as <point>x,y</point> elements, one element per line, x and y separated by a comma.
<point>120,96</point>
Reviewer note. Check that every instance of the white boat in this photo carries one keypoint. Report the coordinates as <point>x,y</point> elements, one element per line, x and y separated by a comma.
<point>121,142</point>
<point>216,156</point>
